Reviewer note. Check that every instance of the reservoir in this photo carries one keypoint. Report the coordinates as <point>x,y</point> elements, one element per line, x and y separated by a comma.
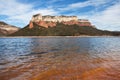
<point>60,58</point>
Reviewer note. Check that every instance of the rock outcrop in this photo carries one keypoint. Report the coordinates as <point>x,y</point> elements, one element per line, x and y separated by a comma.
<point>49,18</point>
<point>6,29</point>
<point>51,21</point>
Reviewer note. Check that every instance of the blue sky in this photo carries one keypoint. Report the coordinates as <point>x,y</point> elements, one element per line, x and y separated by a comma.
<point>104,14</point>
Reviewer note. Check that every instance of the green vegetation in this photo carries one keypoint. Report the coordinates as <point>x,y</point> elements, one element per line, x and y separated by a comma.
<point>62,30</point>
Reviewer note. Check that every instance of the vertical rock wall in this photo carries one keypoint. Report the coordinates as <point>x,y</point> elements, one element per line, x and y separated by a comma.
<point>51,21</point>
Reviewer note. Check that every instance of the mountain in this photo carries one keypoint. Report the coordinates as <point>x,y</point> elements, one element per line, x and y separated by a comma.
<point>6,29</point>
<point>62,30</point>
<point>51,21</point>
<point>61,26</point>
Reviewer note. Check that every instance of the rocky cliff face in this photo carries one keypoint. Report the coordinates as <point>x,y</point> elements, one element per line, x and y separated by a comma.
<point>49,18</point>
<point>51,21</point>
<point>6,29</point>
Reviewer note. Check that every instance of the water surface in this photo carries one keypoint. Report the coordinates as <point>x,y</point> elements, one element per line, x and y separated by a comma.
<point>60,58</point>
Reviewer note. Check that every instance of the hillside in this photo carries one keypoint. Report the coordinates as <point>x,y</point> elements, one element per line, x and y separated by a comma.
<point>62,30</point>
<point>6,29</point>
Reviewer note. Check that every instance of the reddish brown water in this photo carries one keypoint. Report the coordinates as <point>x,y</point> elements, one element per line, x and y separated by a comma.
<point>60,59</point>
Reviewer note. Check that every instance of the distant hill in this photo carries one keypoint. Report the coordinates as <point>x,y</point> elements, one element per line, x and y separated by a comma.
<point>6,29</point>
<point>62,30</point>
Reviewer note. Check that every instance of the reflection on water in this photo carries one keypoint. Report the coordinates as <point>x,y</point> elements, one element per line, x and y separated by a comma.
<point>60,58</point>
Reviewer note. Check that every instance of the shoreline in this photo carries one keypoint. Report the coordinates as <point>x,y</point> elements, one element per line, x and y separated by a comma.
<point>51,36</point>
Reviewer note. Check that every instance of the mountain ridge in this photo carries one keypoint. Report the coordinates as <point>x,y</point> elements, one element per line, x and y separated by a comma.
<point>58,26</point>
<point>63,30</point>
<point>6,29</point>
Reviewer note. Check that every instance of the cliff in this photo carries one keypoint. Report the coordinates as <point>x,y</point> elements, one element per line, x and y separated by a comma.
<point>6,29</point>
<point>51,21</point>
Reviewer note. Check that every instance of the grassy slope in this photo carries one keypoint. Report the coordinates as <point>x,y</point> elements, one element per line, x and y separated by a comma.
<point>62,30</point>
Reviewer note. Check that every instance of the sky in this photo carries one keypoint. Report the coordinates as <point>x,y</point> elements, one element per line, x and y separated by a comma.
<point>104,14</point>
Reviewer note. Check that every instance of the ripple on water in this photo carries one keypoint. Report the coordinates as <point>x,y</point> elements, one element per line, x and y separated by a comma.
<point>60,58</point>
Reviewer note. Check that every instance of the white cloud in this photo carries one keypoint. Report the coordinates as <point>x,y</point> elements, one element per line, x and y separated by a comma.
<point>25,17</point>
<point>21,13</point>
<point>94,3</point>
<point>12,7</point>
<point>107,19</point>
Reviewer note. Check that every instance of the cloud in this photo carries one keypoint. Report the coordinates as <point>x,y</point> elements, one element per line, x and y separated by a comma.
<point>12,7</point>
<point>19,13</point>
<point>107,19</point>
<point>25,17</point>
<point>94,3</point>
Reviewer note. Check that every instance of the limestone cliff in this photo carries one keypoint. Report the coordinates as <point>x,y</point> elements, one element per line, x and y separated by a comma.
<point>51,21</point>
